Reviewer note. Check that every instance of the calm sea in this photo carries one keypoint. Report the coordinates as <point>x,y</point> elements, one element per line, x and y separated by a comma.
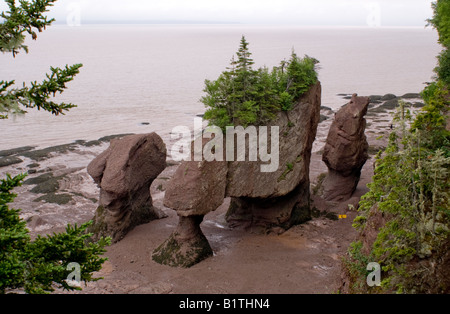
<point>149,78</point>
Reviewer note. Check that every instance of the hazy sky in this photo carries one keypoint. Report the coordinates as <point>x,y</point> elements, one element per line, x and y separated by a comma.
<point>298,12</point>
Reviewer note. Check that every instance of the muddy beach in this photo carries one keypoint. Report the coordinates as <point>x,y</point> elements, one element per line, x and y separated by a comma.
<point>305,259</point>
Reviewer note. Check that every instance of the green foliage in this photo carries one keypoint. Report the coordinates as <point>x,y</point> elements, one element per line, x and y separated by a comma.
<point>443,70</point>
<point>41,265</point>
<point>289,169</point>
<point>244,96</point>
<point>13,237</point>
<point>356,266</point>
<point>301,74</point>
<point>27,18</point>
<point>286,101</point>
<point>441,20</point>
<point>432,119</point>
<point>411,187</point>
<point>37,95</point>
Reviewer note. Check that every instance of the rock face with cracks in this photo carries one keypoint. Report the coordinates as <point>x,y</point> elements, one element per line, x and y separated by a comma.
<point>277,199</point>
<point>124,173</point>
<point>186,246</point>
<point>346,150</point>
<point>196,188</point>
<point>280,198</point>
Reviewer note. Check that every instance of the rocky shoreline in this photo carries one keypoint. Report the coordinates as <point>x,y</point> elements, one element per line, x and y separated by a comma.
<point>59,191</point>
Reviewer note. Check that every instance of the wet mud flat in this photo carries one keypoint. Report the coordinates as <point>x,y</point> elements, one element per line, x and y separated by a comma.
<point>305,259</point>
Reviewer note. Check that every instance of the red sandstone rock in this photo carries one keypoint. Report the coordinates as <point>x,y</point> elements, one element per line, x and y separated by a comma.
<point>124,173</point>
<point>346,150</point>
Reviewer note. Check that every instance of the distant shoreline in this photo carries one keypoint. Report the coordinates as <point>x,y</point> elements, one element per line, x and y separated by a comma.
<point>60,23</point>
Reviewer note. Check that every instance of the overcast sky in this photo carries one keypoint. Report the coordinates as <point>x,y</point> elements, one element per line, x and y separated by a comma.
<point>296,12</point>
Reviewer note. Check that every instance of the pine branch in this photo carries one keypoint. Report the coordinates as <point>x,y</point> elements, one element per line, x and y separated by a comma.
<point>38,95</point>
<point>26,18</point>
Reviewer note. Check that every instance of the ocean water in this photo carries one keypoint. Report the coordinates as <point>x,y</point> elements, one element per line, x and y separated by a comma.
<point>149,78</point>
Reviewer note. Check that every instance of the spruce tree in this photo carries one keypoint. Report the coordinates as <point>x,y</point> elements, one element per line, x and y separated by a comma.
<point>28,18</point>
<point>39,265</point>
<point>245,96</point>
<point>244,62</point>
<point>441,22</point>
<point>410,188</point>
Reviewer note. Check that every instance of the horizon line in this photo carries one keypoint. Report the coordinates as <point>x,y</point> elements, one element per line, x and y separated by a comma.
<point>230,23</point>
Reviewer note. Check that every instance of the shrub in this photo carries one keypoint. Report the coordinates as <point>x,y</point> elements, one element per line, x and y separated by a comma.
<point>244,96</point>
<point>41,265</point>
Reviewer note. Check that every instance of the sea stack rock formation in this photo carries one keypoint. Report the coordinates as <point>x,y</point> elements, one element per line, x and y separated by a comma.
<point>346,150</point>
<point>274,200</point>
<point>197,188</point>
<point>278,199</point>
<point>124,173</point>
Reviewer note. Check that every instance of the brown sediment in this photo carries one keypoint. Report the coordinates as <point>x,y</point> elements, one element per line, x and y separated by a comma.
<point>305,259</point>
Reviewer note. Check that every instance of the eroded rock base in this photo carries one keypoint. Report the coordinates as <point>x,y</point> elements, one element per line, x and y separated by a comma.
<point>186,246</point>
<point>124,173</point>
<point>337,187</point>
<point>275,214</point>
<point>106,224</point>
